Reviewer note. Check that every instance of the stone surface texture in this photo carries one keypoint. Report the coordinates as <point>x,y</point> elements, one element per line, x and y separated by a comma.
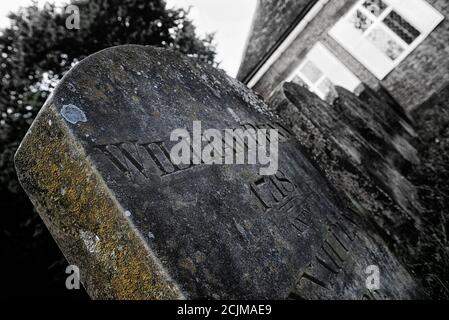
<point>364,149</point>
<point>95,165</point>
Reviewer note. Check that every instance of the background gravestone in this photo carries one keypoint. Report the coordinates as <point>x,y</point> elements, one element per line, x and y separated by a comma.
<point>356,154</point>
<point>388,110</point>
<point>95,164</point>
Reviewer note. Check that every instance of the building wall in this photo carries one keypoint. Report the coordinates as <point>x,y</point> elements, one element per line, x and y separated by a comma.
<point>424,72</point>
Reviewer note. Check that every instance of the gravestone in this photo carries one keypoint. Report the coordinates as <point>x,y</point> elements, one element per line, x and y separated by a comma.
<point>376,127</point>
<point>96,165</point>
<point>395,155</point>
<point>356,166</point>
<point>389,111</point>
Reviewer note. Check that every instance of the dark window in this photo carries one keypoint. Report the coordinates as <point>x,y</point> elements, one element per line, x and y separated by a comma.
<point>376,7</point>
<point>401,27</point>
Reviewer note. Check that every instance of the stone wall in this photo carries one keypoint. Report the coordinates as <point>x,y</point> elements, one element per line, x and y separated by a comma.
<point>417,78</point>
<point>296,52</point>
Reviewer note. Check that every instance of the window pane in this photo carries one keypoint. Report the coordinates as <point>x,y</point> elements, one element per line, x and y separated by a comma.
<point>376,7</point>
<point>384,42</point>
<point>325,87</point>
<point>360,21</point>
<point>311,72</point>
<point>401,27</point>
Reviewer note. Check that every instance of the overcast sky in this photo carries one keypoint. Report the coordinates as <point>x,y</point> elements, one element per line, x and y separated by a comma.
<point>229,19</point>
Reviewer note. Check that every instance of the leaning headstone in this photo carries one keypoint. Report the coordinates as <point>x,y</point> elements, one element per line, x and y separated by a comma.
<point>396,153</point>
<point>97,165</point>
<point>386,108</point>
<point>375,127</point>
<point>367,181</point>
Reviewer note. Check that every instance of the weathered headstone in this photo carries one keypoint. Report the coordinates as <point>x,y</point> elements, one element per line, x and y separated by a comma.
<point>375,126</point>
<point>96,165</point>
<point>393,153</point>
<point>389,111</point>
<point>366,179</point>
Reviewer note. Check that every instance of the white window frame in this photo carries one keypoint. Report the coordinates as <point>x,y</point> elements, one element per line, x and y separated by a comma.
<point>377,23</point>
<point>353,81</point>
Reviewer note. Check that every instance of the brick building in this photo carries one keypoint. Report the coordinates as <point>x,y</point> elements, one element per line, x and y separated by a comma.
<point>401,46</point>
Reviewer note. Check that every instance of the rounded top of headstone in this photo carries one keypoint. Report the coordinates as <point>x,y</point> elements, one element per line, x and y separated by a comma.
<point>133,84</point>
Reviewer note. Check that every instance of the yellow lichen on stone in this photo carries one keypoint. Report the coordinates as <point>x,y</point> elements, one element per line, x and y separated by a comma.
<point>72,199</point>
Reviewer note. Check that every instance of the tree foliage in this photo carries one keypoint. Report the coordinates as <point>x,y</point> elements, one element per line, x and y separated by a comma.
<point>37,49</point>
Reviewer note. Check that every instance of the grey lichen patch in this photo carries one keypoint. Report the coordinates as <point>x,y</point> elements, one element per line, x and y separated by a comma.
<point>73,114</point>
<point>90,240</point>
<point>50,160</point>
<point>234,115</point>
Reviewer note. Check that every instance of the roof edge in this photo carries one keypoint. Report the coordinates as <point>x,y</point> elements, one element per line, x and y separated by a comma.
<point>279,42</point>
